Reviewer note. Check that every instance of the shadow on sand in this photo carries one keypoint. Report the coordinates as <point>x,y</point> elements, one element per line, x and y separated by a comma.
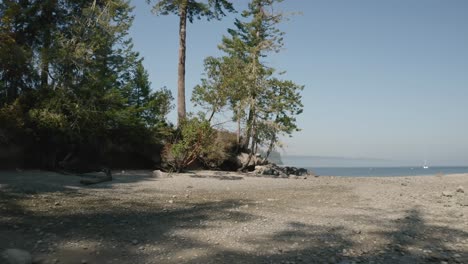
<point>155,234</point>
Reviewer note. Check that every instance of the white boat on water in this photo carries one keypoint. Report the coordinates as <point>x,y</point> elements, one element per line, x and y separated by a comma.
<point>425,165</point>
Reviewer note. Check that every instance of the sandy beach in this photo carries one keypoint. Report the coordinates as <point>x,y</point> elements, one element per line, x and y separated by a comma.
<point>220,217</point>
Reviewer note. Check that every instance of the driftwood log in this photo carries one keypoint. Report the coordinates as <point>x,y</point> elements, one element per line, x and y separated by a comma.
<point>107,177</point>
<point>76,165</point>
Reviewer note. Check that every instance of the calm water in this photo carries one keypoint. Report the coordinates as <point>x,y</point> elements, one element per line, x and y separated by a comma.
<point>385,172</point>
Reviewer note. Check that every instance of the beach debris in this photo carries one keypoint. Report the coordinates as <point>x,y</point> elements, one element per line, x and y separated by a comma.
<point>460,189</point>
<point>161,175</point>
<point>16,256</point>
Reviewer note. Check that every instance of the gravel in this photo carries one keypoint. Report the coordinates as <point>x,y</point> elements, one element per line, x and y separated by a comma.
<point>222,217</point>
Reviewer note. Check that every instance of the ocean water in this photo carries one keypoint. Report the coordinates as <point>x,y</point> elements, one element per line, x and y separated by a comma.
<point>385,171</point>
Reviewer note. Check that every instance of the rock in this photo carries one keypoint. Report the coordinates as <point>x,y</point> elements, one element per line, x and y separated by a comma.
<point>84,261</point>
<point>242,158</point>
<point>134,242</point>
<point>272,170</point>
<point>16,256</point>
<point>460,189</point>
<point>447,194</point>
<point>161,175</point>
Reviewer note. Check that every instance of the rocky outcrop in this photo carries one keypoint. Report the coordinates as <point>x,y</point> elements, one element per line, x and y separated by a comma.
<point>261,166</point>
<point>255,160</point>
<point>280,172</point>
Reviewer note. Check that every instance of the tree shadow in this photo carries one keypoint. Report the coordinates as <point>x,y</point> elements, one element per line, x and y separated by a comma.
<point>129,228</point>
<point>140,231</point>
<point>42,182</point>
<point>412,241</point>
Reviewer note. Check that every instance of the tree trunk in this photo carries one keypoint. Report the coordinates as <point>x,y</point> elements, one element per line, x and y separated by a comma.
<point>238,128</point>
<point>248,132</point>
<point>181,111</point>
<point>254,142</point>
<point>211,115</point>
<point>47,12</point>
<point>270,147</point>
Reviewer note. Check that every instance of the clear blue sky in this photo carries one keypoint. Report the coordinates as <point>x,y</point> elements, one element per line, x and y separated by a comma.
<point>383,79</point>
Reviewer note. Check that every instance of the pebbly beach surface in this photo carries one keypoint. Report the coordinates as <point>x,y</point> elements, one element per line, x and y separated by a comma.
<point>227,217</point>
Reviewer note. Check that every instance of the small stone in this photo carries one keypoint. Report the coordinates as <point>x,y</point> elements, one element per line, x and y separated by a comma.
<point>460,189</point>
<point>171,201</point>
<point>161,175</point>
<point>447,194</point>
<point>57,203</point>
<point>463,201</point>
<point>84,261</point>
<point>404,184</point>
<point>134,242</point>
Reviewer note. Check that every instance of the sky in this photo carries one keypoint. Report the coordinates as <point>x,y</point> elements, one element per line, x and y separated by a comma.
<point>384,80</point>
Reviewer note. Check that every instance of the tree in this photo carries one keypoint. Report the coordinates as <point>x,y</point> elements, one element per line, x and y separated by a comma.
<point>69,77</point>
<point>281,104</point>
<point>16,49</point>
<point>189,9</point>
<point>251,41</point>
<point>266,104</point>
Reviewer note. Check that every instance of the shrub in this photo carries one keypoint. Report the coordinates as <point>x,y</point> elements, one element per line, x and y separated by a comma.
<point>223,148</point>
<point>192,139</point>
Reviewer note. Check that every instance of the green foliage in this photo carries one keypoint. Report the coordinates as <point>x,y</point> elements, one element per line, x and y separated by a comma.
<point>211,9</point>
<point>69,76</point>
<point>188,9</point>
<point>222,148</point>
<point>193,139</point>
<point>266,105</point>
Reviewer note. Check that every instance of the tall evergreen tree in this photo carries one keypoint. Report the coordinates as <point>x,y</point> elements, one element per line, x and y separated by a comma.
<point>269,105</point>
<point>189,9</point>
